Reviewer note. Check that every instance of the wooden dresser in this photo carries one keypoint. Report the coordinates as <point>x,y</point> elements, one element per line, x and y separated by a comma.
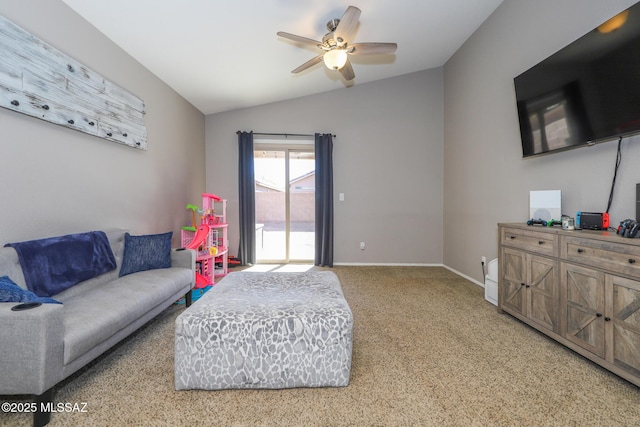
<point>581,288</point>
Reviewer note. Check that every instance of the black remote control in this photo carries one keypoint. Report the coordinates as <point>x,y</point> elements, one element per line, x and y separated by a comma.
<point>26,306</point>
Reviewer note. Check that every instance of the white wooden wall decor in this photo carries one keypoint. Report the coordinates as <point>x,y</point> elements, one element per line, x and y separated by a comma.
<point>39,80</point>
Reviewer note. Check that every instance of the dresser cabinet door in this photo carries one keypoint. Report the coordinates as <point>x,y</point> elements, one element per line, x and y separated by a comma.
<point>542,289</point>
<point>513,279</point>
<point>583,300</point>
<point>623,323</point>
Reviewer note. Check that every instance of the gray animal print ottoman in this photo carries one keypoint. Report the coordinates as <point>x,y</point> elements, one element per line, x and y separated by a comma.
<point>266,330</point>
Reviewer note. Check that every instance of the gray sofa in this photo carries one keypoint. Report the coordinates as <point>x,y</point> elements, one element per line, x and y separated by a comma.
<point>40,347</point>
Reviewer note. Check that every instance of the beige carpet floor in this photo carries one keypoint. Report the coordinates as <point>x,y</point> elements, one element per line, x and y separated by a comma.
<point>428,351</point>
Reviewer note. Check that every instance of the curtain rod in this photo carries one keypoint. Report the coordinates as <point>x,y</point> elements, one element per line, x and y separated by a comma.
<point>285,134</point>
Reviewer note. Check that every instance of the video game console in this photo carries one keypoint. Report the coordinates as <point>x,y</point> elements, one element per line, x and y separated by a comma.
<point>592,220</point>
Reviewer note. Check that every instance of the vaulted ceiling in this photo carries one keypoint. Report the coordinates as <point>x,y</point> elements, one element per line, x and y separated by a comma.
<point>223,55</point>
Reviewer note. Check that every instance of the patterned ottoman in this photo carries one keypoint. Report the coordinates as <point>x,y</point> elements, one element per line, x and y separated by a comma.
<point>266,330</point>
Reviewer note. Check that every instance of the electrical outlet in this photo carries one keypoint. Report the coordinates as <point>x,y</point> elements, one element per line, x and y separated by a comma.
<point>362,246</point>
<point>484,261</point>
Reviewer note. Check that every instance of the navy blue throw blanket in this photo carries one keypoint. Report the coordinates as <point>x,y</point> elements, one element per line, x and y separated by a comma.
<point>54,264</point>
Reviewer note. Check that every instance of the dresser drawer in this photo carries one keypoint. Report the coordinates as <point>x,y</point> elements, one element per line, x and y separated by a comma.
<point>610,256</point>
<point>530,240</point>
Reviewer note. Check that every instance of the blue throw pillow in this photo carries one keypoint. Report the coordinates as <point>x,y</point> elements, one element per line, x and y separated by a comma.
<point>148,252</point>
<point>10,292</point>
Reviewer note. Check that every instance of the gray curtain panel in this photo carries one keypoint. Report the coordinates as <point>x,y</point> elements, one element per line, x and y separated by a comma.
<point>247,199</point>
<point>324,200</point>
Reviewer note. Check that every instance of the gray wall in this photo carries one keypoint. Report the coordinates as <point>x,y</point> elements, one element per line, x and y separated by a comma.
<point>56,180</point>
<point>429,162</point>
<point>387,162</point>
<point>486,181</point>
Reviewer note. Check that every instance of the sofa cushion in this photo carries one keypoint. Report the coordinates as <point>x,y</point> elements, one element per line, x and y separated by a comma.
<point>10,292</point>
<point>94,316</point>
<point>149,252</point>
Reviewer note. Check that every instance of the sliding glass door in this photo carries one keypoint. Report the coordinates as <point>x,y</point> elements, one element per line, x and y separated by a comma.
<point>302,183</point>
<point>285,200</point>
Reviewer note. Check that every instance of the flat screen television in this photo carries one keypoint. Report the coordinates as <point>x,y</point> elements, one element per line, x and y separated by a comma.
<point>588,92</point>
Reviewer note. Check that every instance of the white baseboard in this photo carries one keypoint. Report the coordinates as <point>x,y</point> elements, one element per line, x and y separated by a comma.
<point>471,279</point>
<point>386,264</point>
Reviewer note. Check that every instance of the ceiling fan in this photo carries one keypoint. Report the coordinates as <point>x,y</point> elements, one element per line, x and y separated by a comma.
<point>336,45</point>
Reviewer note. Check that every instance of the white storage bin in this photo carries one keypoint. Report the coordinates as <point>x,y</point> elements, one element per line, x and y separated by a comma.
<point>491,282</point>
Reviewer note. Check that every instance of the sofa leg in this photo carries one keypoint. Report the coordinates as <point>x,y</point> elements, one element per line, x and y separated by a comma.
<point>44,401</point>
<point>188,298</point>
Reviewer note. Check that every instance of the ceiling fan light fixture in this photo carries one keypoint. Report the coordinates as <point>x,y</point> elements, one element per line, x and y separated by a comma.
<point>335,59</point>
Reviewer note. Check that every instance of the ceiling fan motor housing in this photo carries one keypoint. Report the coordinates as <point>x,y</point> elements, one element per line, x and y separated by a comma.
<point>332,25</point>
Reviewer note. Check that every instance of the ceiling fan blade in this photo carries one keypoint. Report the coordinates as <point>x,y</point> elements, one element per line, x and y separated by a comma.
<point>303,40</point>
<point>310,63</point>
<point>347,71</point>
<point>347,26</point>
<point>373,48</point>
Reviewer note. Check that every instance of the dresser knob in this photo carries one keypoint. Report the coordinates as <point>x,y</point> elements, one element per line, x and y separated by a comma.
<point>512,237</point>
<point>598,314</point>
<point>541,242</point>
<point>580,251</point>
<point>632,261</point>
<point>607,319</point>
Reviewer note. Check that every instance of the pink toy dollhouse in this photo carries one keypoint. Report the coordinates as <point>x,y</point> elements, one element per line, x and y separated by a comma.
<point>210,241</point>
